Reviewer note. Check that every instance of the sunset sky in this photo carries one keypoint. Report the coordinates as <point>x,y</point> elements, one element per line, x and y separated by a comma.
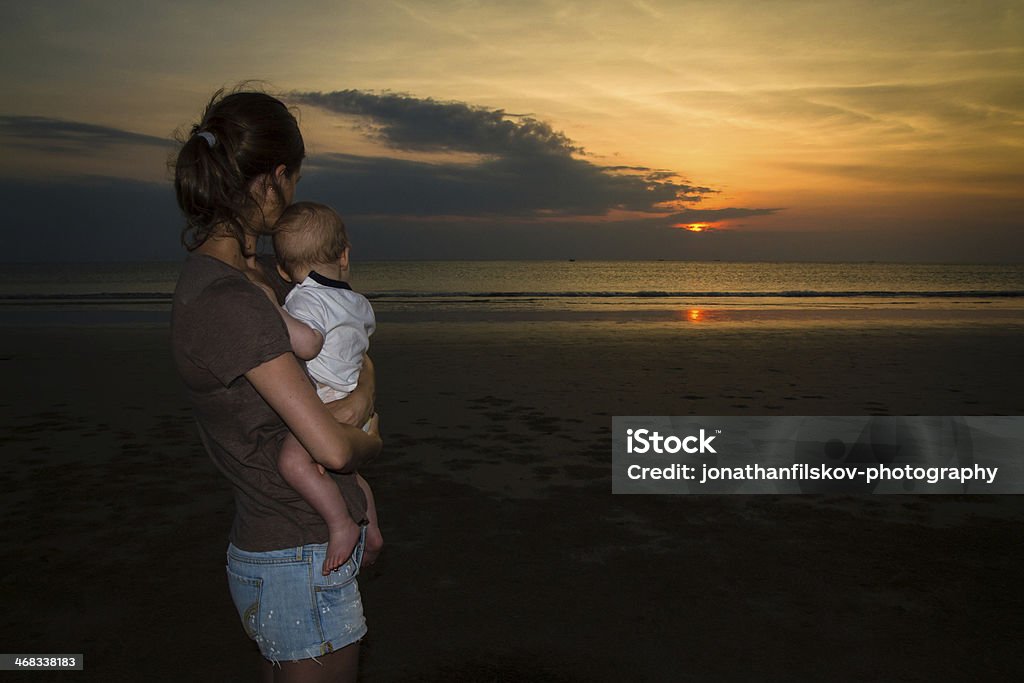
<point>779,130</point>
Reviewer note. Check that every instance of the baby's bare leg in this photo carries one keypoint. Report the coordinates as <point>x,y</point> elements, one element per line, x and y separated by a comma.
<point>318,489</point>
<point>374,538</point>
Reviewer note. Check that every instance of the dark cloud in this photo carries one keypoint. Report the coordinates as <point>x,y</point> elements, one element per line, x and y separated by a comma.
<point>412,123</point>
<point>33,131</point>
<point>525,167</point>
<point>508,186</point>
<point>528,193</point>
<point>108,219</point>
<point>89,219</point>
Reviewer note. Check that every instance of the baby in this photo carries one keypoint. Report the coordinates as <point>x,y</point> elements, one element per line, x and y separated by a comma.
<point>329,326</point>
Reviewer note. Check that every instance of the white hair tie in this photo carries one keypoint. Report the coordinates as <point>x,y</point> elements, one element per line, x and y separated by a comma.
<point>210,138</point>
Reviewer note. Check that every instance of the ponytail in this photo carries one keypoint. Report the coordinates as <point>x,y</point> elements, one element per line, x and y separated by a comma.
<point>240,137</point>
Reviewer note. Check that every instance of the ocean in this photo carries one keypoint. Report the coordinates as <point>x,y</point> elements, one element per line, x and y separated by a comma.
<point>652,291</point>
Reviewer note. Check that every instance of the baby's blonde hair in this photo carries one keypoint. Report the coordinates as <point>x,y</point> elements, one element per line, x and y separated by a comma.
<point>308,234</point>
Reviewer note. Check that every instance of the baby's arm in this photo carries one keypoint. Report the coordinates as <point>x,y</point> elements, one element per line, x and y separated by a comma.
<point>306,342</point>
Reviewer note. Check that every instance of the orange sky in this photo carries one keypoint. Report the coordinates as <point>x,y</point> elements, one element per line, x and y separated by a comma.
<point>842,116</point>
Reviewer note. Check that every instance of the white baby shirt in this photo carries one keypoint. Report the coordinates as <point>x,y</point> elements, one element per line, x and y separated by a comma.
<point>345,319</point>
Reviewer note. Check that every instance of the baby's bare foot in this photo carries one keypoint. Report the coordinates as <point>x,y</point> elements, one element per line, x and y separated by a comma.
<point>374,544</point>
<point>340,544</point>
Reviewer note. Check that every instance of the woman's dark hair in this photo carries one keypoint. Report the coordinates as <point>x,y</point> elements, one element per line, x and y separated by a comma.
<point>241,136</point>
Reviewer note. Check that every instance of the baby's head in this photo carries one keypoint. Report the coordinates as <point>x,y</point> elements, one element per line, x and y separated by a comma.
<point>307,236</point>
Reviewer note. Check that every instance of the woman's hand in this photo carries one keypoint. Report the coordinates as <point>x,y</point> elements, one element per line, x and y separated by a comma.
<point>356,408</point>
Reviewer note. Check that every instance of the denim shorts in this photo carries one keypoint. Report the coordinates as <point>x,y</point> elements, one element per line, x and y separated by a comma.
<point>289,607</point>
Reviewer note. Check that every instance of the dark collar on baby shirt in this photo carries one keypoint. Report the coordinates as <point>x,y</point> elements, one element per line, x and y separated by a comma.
<point>328,282</point>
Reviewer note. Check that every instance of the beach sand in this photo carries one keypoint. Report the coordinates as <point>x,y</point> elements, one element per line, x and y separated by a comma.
<point>508,558</point>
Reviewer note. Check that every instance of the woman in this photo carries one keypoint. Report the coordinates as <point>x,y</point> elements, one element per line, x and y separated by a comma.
<point>233,177</point>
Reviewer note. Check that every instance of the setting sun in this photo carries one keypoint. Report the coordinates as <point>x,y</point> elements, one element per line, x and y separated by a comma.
<point>694,227</point>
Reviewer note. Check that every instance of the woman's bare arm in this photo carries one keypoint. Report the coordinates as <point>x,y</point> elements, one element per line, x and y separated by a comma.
<point>285,387</point>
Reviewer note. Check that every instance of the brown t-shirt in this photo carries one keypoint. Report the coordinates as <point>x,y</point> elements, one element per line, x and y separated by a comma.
<point>222,326</point>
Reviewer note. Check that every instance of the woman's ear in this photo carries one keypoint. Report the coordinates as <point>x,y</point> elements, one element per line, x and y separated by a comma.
<point>262,190</point>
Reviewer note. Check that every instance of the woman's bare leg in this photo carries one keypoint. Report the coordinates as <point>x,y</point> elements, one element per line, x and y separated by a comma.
<point>267,670</point>
<point>341,666</point>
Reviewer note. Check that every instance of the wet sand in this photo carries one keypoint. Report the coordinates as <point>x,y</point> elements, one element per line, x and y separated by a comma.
<point>508,558</point>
